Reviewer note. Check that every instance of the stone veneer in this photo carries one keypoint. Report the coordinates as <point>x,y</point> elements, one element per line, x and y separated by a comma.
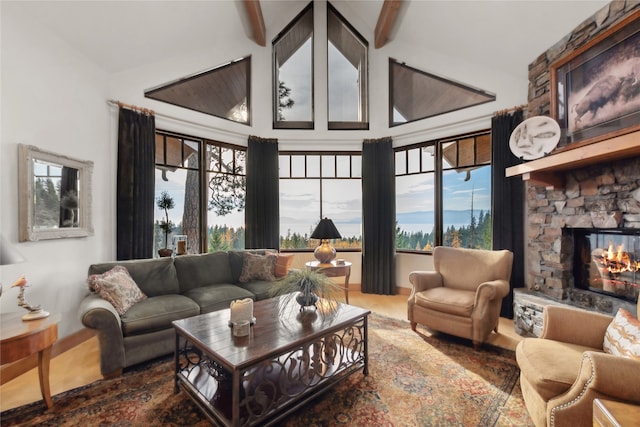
<point>599,196</point>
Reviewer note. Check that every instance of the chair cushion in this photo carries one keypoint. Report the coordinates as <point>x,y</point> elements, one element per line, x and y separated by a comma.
<point>623,335</point>
<point>117,287</point>
<point>257,267</point>
<point>157,313</point>
<point>217,297</point>
<point>550,366</point>
<point>154,277</point>
<point>447,300</point>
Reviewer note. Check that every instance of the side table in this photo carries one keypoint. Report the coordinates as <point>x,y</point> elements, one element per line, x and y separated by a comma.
<point>609,413</point>
<point>19,339</point>
<point>334,270</point>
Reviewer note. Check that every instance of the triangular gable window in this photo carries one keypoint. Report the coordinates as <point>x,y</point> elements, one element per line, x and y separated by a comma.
<point>416,94</point>
<point>223,91</point>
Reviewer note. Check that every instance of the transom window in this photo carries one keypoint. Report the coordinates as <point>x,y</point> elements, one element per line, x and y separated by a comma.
<point>443,193</point>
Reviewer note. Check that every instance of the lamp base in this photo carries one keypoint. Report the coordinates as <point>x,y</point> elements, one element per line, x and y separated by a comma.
<point>325,252</point>
<point>34,315</point>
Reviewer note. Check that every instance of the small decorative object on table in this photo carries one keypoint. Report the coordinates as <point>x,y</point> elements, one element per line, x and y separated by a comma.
<point>306,286</point>
<point>35,312</point>
<point>241,317</point>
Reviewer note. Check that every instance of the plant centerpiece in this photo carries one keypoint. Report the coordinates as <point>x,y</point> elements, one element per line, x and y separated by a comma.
<point>165,202</point>
<point>306,286</point>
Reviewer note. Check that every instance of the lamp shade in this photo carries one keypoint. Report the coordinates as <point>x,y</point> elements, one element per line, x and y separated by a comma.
<point>326,230</point>
<point>8,254</point>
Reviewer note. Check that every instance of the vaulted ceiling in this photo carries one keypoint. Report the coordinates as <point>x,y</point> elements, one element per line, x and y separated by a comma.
<point>119,35</point>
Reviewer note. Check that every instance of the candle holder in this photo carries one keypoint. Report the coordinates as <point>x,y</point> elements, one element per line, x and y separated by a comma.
<point>34,311</point>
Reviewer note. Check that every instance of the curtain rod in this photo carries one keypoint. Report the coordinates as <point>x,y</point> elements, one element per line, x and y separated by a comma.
<point>227,133</point>
<point>132,107</point>
<point>508,110</point>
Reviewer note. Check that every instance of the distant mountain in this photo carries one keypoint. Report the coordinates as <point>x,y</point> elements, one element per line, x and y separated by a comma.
<point>427,217</point>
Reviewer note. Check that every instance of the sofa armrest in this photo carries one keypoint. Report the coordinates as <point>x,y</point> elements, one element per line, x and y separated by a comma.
<point>97,313</point>
<point>575,326</point>
<point>601,375</point>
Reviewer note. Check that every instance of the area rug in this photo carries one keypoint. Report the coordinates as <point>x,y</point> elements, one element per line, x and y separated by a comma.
<point>414,380</point>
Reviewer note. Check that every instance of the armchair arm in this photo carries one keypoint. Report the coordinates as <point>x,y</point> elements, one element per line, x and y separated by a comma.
<point>420,281</point>
<point>487,305</point>
<point>97,313</point>
<point>423,280</point>
<point>575,326</point>
<point>601,375</point>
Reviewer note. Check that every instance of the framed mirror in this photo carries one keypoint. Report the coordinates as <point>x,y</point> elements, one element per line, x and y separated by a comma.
<point>54,195</point>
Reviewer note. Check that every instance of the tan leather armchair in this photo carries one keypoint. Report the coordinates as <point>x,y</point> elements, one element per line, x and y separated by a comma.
<point>462,297</point>
<point>564,370</point>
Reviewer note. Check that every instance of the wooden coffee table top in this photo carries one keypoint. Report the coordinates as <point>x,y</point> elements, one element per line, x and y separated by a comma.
<point>276,329</point>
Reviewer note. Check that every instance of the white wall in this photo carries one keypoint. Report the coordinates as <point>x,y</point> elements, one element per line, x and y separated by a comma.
<point>54,99</point>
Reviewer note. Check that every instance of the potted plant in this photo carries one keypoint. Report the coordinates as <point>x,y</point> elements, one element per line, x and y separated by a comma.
<point>306,286</point>
<point>165,202</point>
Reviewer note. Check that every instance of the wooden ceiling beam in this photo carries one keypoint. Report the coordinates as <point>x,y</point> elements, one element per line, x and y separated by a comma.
<point>254,10</point>
<point>386,20</point>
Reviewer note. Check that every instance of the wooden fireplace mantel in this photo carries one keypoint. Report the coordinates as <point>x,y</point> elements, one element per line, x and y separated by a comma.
<point>545,171</point>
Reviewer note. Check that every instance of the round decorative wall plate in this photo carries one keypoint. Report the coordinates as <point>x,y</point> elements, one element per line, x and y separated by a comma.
<point>534,138</point>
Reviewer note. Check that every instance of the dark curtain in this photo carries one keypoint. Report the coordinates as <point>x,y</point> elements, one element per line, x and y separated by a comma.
<point>69,197</point>
<point>378,217</point>
<point>136,184</point>
<point>262,208</point>
<point>508,201</point>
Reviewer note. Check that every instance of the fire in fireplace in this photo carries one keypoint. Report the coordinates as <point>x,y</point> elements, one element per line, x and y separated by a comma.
<point>607,261</point>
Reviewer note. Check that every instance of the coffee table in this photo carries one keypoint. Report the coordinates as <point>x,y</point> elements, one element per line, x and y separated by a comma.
<point>288,358</point>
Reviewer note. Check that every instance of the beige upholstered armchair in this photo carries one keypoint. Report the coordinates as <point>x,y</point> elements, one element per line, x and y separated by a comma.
<point>463,295</point>
<point>564,370</point>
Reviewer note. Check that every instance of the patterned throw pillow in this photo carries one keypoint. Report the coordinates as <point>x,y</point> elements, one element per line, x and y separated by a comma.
<point>117,287</point>
<point>257,267</point>
<point>283,263</point>
<point>623,335</point>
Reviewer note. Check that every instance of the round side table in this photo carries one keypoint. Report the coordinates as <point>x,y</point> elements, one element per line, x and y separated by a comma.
<point>19,339</point>
<point>334,270</point>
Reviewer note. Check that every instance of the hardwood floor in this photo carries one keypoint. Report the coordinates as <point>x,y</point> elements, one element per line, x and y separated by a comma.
<point>81,365</point>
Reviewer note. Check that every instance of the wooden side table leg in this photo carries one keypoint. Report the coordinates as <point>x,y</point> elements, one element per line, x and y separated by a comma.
<point>346,287</point>
<point>44,357</point>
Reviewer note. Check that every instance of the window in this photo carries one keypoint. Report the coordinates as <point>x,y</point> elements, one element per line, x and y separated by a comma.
<point>223,91</point>
<point>206,180</point>
<point>443,193</point>
<point>293,74</point>
<point>318,185</point>
<point>347,64</point>
<point>416,94</point>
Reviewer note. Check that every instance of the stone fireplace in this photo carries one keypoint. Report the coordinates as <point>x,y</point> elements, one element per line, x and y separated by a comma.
<point>601,199</point>
<point>584,192</point>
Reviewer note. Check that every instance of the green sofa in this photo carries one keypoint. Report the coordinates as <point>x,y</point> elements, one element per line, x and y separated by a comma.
<point>176,288</point>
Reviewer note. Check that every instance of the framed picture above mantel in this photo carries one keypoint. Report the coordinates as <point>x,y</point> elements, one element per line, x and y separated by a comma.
<point>595,90</point>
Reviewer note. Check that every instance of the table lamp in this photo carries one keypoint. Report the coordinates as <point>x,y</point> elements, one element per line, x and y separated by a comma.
<point>324,231</point>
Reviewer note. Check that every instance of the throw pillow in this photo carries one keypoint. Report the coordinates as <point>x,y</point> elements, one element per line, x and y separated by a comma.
<point>117,287</point>
<point>623,335</point>
<point>283,263</point>
<point>257,267</point>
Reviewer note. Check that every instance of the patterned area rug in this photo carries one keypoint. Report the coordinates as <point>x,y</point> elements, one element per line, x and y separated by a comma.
<point>413,380</point>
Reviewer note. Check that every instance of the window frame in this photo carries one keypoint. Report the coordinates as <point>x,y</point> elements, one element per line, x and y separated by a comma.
<point>438,170</point>
<point>203,172</point>
<point>320,178</point>
<point>292,124</point>
<point>363,123</point>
